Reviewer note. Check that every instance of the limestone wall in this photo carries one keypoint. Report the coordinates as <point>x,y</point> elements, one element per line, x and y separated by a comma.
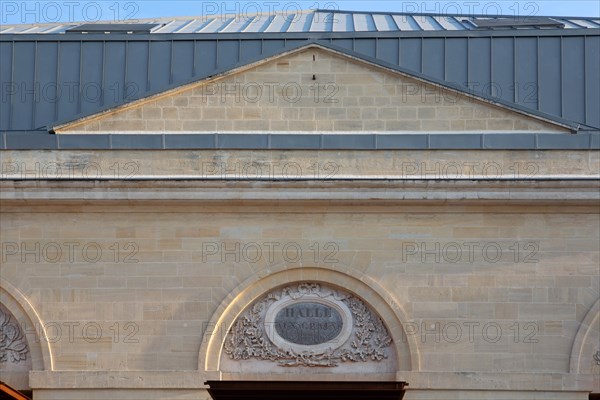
<point>490,289</point>
<point>529,275</point>
<point>311,90</point>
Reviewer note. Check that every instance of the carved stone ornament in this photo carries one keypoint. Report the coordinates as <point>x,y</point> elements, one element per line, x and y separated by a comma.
<point>308,325</point>
<point>597,357</point>
<point>13,346</point>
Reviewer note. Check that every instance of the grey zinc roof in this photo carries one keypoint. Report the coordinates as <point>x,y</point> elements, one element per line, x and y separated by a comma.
<point>300,141</point>
<point>312,21</point>
<point>49,79</point>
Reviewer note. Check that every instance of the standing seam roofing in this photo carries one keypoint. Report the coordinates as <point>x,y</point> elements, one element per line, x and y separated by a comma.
<point>314,21</point>
<point>50,79</point>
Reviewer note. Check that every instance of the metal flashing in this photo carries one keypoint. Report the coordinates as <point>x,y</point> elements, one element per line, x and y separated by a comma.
<point>516,22</point>
<point>257,141</point>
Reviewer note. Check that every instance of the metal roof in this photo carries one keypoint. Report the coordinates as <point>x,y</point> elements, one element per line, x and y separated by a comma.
<point>313,21</point>
<point>49,79</point>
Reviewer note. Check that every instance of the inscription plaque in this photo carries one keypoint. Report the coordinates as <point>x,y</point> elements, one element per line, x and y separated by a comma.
<point>308,323</point>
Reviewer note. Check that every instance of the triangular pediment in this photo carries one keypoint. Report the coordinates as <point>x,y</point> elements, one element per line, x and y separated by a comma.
<point>313,89</point>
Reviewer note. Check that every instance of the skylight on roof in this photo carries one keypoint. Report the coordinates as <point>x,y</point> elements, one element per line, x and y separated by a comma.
<point>113,28</point>
<point>516,22</point>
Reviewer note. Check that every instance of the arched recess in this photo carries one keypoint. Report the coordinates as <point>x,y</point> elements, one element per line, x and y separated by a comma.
<point>584,356</point>
<point>369,291</point>
<point>27,318</point>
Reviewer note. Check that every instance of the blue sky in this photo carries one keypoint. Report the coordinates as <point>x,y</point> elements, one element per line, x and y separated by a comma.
<point>19,11</point>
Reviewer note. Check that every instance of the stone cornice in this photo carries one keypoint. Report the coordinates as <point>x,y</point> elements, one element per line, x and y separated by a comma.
<point>584,191</point>
<point>503,381</point>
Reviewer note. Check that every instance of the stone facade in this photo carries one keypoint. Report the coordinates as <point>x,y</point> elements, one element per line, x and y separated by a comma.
<point>476,270</point>
<point>171,272</point>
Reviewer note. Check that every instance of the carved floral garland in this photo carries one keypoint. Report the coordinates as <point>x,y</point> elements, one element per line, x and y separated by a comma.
<point>248,339</point>
<point>13,346</point>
